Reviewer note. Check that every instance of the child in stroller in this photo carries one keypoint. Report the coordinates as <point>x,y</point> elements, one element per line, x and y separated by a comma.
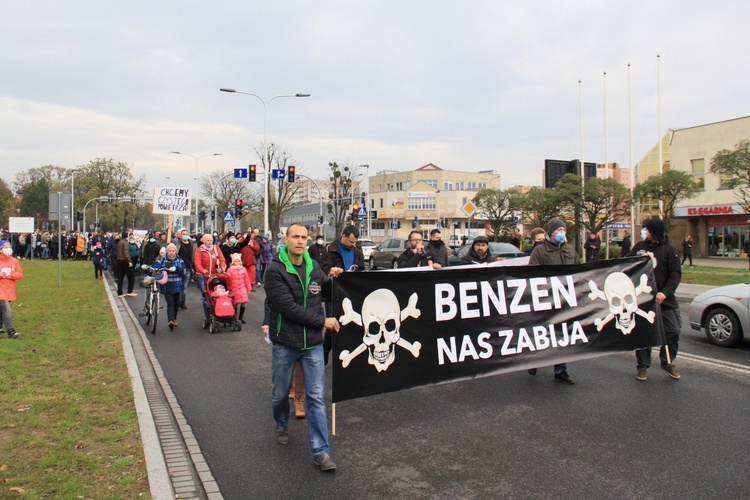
<point>220,304</point>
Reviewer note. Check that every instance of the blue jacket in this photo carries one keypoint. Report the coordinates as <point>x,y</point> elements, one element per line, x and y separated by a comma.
<point>174,278</point>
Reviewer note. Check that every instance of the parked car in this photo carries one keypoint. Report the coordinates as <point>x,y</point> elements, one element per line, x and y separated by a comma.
<point>500,251</point>
<point>724,312</point>
<point>616,241</point>
<point>457,240</point>
<point>367,247</point>
<point>386,254</point>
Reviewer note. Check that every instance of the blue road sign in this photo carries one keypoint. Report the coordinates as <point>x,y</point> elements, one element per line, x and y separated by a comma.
<point>240,173</point>
<point>228,216</point>
<point>278,173</point>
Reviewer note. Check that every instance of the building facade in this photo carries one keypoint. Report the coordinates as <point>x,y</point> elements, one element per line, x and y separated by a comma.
<point>714,218</point>
<point>426,198</point>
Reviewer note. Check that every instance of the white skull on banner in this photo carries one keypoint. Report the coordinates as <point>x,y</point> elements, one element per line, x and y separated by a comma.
<point>621,295</point>
<point>380,320</point>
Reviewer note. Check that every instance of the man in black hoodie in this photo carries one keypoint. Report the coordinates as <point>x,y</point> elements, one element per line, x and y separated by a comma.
<point>437,249</point>
<point>668,274</point>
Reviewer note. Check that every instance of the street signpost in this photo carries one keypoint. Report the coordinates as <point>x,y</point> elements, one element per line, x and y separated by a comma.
<point>240,173</point>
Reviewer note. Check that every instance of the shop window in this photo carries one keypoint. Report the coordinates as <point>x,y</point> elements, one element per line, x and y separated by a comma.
<point>699,172</point>
<point>725,181</point>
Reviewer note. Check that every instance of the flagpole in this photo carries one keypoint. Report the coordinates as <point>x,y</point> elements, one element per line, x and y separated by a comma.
<point>606,163</point>
<point>632,170</point>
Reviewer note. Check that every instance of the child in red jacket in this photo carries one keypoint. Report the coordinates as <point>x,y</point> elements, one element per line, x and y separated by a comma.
<point>10,272</point>
<point>240,284</point>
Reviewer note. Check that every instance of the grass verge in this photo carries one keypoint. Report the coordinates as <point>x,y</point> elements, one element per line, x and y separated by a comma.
<point>715,276</point>
<point>68,427</point>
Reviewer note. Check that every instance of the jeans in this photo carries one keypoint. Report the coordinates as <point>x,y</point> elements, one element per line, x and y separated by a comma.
<point>185,281</point>
<point>258,272</point>
<point>672,324</point>
<point>200,280</point>
<point>314,375</point>
<point>5,315</point>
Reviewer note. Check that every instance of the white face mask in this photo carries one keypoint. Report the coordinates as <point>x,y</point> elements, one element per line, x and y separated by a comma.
<point>7,252</point>
<point>644,233</point>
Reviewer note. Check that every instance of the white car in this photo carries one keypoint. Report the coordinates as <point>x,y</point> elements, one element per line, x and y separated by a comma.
<point>724,312</point>
<point>367,247</point>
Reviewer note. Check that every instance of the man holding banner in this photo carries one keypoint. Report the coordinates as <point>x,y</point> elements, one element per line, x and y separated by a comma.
<point>668,275</point>
<point>555,250</point>
<point>294,285</point>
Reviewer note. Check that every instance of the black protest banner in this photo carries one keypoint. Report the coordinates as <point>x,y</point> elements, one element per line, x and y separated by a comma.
<point>405,329</point>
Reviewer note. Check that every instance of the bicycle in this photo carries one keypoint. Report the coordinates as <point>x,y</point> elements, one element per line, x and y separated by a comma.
<point>151,305</point>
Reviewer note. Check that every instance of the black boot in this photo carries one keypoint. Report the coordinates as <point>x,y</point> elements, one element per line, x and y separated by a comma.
<point>182,305</point>
<point>242,315</point>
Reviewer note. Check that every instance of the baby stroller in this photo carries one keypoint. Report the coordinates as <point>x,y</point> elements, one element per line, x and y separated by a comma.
<point>220,304</point>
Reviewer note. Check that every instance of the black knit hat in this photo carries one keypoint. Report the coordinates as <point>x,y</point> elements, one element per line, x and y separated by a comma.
<point>553,225</point>
<point>656,228</point>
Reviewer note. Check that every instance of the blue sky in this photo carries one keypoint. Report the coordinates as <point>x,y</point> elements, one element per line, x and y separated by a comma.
<point>471,85</point>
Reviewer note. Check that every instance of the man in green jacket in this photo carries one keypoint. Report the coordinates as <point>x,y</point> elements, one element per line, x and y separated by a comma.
<point>294,285</point>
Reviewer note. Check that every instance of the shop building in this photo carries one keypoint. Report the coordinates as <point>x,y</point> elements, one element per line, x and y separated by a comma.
<point>714,218</point>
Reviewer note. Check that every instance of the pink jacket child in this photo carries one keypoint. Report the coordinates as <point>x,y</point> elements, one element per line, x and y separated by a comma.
<point>240,284</point>
<point>10,272</point>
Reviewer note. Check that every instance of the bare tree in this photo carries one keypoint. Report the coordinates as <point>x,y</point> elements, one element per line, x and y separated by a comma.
<point>340,195</point>
<point>223,191</point>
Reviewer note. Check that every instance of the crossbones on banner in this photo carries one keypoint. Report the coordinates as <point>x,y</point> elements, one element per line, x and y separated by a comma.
<point>621,295</point>
<point>381,319</point>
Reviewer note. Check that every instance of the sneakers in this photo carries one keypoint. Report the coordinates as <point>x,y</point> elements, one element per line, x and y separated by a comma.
<point>171,325</point>
<point>564,378</point>
<point>282,436</point>
<point>532,371</point>
<point>120,294</point>
<point>13,334</point>
<point>671,371</point>
<point>131,294</point>
<point>324,462</point>
<point>641,375</point>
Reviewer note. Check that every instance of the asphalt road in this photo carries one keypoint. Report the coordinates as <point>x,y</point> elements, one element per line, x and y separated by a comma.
<point>511,436</point>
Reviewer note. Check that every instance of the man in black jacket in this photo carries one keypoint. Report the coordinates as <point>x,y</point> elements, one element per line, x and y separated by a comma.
<point>479,253</point>
<point>437,249</point>
<point>415,255</point>
<point>668,275</point>
<point>294,285</point>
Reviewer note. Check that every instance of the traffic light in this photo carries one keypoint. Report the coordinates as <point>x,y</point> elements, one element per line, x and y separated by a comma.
<point>398,224</point>
<point>291,173</point>
<point>79,215</point>
<point>238,206</point>
<point>203,215</point>
<point>320,219</point>
<point>414,224</point>
<point>355,210</point>
<point>251,171</point>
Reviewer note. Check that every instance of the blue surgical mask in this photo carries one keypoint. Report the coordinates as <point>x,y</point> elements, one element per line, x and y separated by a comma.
<point>152,240</point>
<point>232,240</point>
<point>560,237</point>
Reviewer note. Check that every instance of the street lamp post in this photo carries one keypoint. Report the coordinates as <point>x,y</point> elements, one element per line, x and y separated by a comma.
<point>367,202</point>
<point>266,159</point>
<point>196,179</point>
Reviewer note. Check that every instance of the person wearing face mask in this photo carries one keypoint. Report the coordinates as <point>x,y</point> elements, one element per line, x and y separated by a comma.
<point>10,272</point>
<point>185,251</point>
<point>437,249</point>
<point>125,265</point>
<point>150,250</point>
<point>208,261</point>
<point>668,274</point>
<point>537,238</point>
<point>555,250</point>
<point>317,249</point>
<point>232,244</point>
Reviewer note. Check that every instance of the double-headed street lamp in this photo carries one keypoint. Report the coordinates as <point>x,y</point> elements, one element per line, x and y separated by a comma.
<point>367,202</point>
<point>196,180</point>
<point>267,159</point>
